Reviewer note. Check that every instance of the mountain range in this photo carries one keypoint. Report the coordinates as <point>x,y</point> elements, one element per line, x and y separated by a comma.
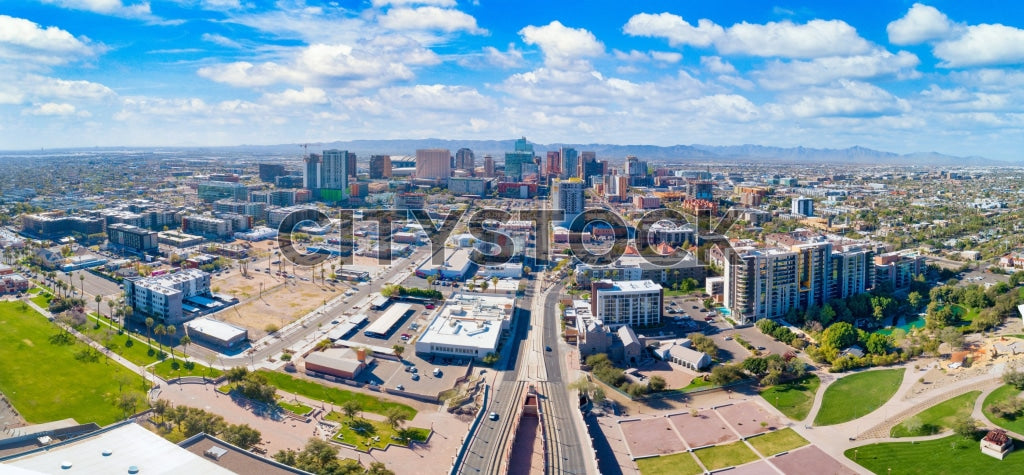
<point>675,154</point>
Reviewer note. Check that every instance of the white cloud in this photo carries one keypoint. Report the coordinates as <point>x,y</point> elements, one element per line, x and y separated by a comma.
<point>436,97</point>
<point>399,3</point>
<point>51,108</point>
<point>221,4</point>
<point>845,98</point>
<point>786,39</point>
<point>106,7</point>
<point>30,44</point>
<point>990,79</point>
<point>673,28</point>
<point>562,46</point>
<point>289,97</point>
<point>813,39</point>
<point>715,65</point>
<point>921,23</point>
<point>509,58</point>
<point>430,18</point>
<point>220,40</point>
<point>788,74</point>
<point>982,45</point>
<point>373,64</point>
<point>55,88</point>
<point>666,56</point>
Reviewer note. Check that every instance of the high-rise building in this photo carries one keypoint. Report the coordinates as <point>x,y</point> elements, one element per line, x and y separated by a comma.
<point>568,195</point>
<point>488,166</point>
<point>350,165</point>
<point>380,167</point>
<point>514,164</point>
<point>700,189</point>
<point>433,164</point>
<point>465,160</point>
<point>633,302</point>
<point>523,146</point>
<point>311,172</point>
<point>636,170</point>
<point>589,166</point>
<point>553,165</point>
<point>803,206</point>
<point>769,282</point>
<point>570,163</point>
<point>270,171</point>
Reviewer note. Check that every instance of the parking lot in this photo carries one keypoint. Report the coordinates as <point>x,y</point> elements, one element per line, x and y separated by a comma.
<point>390,373</point>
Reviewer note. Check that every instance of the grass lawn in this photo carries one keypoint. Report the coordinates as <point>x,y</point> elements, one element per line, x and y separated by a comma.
<point>1002,393</point>
<point>675,464</point>
<point>361,432</point>
<point>795,398</point>
<point>295,408</point>
<point>165,369</point>
<point>697,382</point>
<point>42,300</point>
<point>966,314</point>
<point>48,381</point>
<point>779,441</point>
<point>331,395</point>
<point>857,395</point>
<point>721,456</point>
<point>938,417</point>
<point>136,352</point>
<point>951,455</point>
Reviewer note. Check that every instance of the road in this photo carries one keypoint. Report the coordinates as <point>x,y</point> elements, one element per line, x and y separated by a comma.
<point>536,328</point>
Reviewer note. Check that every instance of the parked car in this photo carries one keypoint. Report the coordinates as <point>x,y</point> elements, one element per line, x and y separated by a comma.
<point>493,416</point>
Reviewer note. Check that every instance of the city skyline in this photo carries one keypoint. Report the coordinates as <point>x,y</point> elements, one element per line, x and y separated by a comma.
<point>938,76</point>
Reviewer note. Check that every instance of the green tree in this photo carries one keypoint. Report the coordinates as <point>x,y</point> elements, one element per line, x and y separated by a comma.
<point>965,426</point>
<point>351,409</point>
<point>149,330</point>
<point>395,417</point>
<point>914,299</point>
<point>399,349</point>
<point>839,335</point>
<point>160,330</point>
<point>241,435</point>
<point>1014,377</point>
<point>657,383</point>
<point>703,343</point>
<point>878,344</point>
<point>952,337</point>
<point>236,374</point>
<point>827,314</point>
<point>726,374</point>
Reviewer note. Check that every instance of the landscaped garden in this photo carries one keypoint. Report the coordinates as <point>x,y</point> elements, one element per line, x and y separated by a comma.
<point>857,395</point>
<point>777,442</point>
<point>999,397</point>
<point>364,434</point>
<point>49,375</point>
<point>953,455</point>
<point>795,398</point>
<point>937,418</point>
<point>170,369</point>
<point>675,464</point>
<point>336,396</point>
<point>721,456</point>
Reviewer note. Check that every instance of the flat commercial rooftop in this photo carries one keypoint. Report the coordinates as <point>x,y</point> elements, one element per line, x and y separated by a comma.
<point>215,329</point>
<point>385,322</point>
<point>115,451</point>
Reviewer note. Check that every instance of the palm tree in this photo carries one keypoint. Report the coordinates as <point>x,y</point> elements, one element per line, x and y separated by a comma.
<point>98,299</point>
<point>351,409</point>
<point>399,349</point>
<point>184,342</point>
<point>160,330</point>
<point>81,282</point>
<point>494,283</point>
<point>149,331</point>
<point>483,286</point>
<point>396,417</point>
<point>171,330</point>
<point>127,314</point>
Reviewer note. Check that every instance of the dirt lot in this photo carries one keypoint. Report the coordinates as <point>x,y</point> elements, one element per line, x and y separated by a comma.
<point>809,460</point>
<point>705,429</point>
<point>651,437</point>
<point>749,418</point>
<point>283,301</point>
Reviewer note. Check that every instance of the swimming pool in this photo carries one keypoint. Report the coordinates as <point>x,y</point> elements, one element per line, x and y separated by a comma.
<point>724,311</point>
<point>917,322</point>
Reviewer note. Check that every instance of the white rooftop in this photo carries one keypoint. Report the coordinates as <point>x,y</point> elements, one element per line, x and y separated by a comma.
<point>634,286</point>
<point>469,320</point>
<point>115,451</point>
<point>214,328</point>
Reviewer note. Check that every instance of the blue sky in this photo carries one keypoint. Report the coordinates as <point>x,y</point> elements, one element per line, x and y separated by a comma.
<point>901,76</point>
